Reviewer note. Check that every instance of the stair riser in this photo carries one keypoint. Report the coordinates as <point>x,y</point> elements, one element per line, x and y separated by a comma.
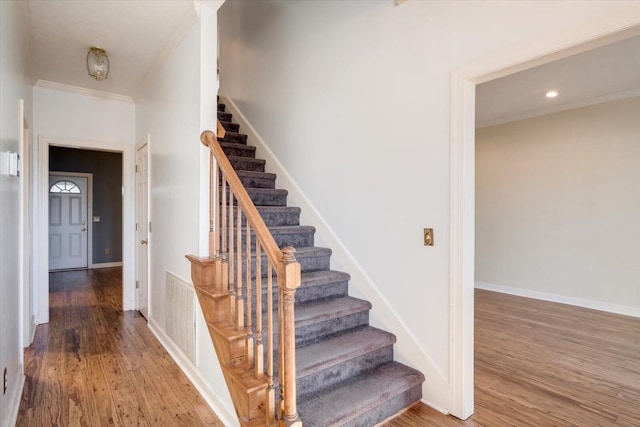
<point>246,165</point>
<point>224,117</point>
<point>313,332</point>
<point>303,295</point>
<point>263,199</point>
<point>384,411</point>
<point>307,263</point>
<point>322,380</point>
<point>231,127</point>
<point>275,219</point>
<point>221,107</point>
<point>240,152</point>
<point>295,239</point>
<point>257,182</point>
<point>236,138</point>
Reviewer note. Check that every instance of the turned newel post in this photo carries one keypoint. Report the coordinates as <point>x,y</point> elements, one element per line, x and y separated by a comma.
<point>288,287</point>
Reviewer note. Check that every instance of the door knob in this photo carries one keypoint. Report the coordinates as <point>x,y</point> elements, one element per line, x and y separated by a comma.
<point>84,229</point>
<point>143,242</point>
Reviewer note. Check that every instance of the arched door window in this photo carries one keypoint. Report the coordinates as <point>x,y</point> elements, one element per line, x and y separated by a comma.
<point>64,187</point>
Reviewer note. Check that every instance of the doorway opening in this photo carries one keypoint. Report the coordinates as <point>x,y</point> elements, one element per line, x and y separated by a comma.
<point>462,168</point>
<point>112,219</point>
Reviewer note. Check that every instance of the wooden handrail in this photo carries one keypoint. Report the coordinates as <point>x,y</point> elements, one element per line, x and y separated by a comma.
<point>225,248</point>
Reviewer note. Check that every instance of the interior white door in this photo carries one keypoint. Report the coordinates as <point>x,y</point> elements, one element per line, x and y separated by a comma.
<point>142,230</point>
<point>67,222</point>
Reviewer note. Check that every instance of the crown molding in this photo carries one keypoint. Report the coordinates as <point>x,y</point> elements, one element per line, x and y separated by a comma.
<point>45,84</point>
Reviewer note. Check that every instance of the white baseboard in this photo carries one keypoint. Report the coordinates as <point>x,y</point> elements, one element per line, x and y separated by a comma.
<point>562,299</point>
<point>435,389</point>
<point>107,265</point>
<point>14,402</point>
<point>226,415</point>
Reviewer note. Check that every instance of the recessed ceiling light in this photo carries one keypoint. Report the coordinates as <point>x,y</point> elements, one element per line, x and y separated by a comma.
<point>552,94</point>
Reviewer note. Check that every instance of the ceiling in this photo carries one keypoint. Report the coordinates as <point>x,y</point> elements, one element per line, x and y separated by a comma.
<point>134,33</point>
<point>137,33</point>
<point>602,74</point>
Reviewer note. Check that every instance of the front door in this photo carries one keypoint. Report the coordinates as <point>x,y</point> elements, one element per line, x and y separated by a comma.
<point>142,235</point>
<point>68,241</point>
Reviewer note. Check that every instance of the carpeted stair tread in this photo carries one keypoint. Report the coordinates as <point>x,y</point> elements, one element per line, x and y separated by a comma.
<point>320,311</point>
<point>280,215</point>
<point>247,163</point>
<point>310,281</point>
<point>237,149</point>
<point>350,403</point>
<point>221,106</point>
<point>332,351</point>
<point>234,137</point>
<point>231,127</point>
<point>257,179</point>
<point>224,117</point>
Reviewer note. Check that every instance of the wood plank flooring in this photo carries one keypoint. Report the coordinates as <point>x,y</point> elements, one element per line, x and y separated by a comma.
<point>544,364</point>
<point>537,364</point>
<point>94,364</point>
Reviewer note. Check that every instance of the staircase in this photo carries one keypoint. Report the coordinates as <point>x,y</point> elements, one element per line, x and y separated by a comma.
<point>345,372</point>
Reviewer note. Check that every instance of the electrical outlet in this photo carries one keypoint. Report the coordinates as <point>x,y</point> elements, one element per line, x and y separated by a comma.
<point>107,251</point>
<point>428,236</point>
<point>5,381</point>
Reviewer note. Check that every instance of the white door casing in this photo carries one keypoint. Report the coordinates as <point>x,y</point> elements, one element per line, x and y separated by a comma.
<point>68,221</point>
<point>142,230</point>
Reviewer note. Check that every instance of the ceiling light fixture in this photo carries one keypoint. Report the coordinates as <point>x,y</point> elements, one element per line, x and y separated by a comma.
<point>552,94</point>
<point>98,63</point>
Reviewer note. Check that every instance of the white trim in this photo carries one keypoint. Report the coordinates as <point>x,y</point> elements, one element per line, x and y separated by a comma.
<point>46,84</point>
<point>407,348</point>
<point>617,96</point>
<point>617,26</point>
<point>562,299</point>
<point>14,402</point>
<point>41,181</point>
<point>106,265</point>
<point>227,417</point>
<point>89,177</point>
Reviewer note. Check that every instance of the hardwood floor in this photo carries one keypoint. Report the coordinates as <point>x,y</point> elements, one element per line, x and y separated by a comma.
<point>544,364</point>
<point>94,364</point>
<point>537,364</point>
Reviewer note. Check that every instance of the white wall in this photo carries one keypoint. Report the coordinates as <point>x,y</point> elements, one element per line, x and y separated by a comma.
<point>74,119</point>
<point>353,98</point>
<point>176,106</point>
<point>15,84</point>
<point>558,202</point>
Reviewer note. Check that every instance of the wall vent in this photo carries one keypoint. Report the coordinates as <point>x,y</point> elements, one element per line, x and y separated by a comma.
<point>180,314</point>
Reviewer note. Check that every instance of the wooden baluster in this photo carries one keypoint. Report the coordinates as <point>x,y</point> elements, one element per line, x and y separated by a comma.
<point>249,330</point>
<point>270,391</point>
<point>223,255</point>
<point>240,300</point>
<point>288,284</point>
<point>232,280</point>
<point>213,174</point>
<point>259,352</point>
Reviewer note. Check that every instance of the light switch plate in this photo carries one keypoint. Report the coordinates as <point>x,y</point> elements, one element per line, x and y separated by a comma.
<point>428,236</point>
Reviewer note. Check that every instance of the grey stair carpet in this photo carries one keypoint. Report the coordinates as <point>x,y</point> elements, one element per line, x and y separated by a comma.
<point>346,375</point>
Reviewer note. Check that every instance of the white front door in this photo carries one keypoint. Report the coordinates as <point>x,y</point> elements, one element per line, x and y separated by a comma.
<point>142,235</point>
<point>68,241</point>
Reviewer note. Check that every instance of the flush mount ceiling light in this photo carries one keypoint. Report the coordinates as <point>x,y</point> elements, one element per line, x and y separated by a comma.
<point>551,94</point>
<point>98,63</point>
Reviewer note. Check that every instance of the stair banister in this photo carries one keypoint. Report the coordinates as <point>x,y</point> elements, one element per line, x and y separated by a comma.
<point>219,278</point>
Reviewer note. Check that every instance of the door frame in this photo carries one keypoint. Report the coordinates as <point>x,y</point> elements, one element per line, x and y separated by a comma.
<point>144,141</point>
<point>623,24</point>
<point>89,177</point>
<point>41,211</point>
